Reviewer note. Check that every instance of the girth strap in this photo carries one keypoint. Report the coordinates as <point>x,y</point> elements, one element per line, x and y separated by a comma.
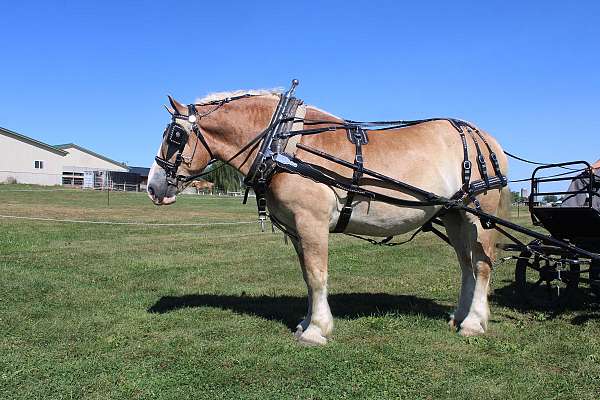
<point>359,137</point>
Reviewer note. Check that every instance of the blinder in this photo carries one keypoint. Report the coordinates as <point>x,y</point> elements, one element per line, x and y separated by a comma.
<point>176,137</point>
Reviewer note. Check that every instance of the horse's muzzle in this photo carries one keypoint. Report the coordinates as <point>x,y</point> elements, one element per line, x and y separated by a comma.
<point>159,191</point>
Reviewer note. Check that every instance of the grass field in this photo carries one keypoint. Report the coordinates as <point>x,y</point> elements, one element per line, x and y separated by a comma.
<point>138,311</point>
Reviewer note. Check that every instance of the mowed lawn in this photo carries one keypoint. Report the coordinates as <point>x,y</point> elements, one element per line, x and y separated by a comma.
<point>93,311</point>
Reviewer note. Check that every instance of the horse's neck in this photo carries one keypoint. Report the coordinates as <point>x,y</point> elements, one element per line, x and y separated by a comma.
<point>235,125</point>
<point>238,123</point>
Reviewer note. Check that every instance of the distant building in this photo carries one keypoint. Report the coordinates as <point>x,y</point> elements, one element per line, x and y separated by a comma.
<point>143,173</point>
<point>78,160</point>
<point>27,160</point>
<point>524,193</point>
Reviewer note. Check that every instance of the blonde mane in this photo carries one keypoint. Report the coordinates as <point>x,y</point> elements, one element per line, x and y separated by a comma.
<point>254,92</point>
<point>217,96</point>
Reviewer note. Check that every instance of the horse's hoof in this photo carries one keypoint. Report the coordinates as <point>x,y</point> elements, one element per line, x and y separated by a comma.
<point>310,337</point>
<point>472,329</point>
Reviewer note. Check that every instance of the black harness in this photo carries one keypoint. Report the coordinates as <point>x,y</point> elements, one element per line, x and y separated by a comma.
<point>264,167</point>
<point>357,136</point>
<point>272,159</point>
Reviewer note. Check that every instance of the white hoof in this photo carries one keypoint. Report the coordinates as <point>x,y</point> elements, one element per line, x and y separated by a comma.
<point>310,337</point>
<point>471,328</point>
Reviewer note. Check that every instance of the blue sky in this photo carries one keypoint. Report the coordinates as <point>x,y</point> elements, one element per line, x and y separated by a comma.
<point>97,73</point>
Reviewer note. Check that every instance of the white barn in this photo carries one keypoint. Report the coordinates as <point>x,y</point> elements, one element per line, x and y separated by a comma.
<point>27,160</point>
<point>79,160</point>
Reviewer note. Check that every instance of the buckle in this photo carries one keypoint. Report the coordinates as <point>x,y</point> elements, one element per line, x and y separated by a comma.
<point>262,205</point>
<point>467,165</point>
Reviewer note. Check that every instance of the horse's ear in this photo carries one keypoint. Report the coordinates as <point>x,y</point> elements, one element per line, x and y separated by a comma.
<point>177,106</point>
<point>169,110</point>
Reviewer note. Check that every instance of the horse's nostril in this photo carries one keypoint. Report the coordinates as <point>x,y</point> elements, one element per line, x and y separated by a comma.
<point>151,191</point>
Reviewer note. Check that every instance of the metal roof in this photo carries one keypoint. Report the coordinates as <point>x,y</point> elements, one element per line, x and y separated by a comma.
<point>141,171</point>
<point>33,142</point>
<point>90,152</point>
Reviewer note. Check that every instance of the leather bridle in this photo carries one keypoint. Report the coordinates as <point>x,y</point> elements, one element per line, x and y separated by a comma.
<point>176,137</point>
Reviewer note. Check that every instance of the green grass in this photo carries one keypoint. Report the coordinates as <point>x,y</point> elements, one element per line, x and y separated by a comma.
<point>118,311</point>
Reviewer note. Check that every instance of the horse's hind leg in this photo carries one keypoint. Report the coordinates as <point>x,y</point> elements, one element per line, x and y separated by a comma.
<point>474,247</point>
<point>312,248</point>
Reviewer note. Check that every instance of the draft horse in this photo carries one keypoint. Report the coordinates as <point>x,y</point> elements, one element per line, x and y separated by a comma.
<point>201,185</point>
<point>427,155</point>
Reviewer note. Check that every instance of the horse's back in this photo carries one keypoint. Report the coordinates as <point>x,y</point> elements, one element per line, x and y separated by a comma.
<point>428,155</point>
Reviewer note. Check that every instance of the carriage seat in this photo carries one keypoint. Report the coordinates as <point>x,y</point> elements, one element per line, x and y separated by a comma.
<point>570,222</point>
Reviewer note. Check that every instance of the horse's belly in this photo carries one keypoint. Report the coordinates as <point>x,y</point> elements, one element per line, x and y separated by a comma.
<point>380,219</point>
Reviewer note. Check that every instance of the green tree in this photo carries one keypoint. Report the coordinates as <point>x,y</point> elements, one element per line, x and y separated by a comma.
<point>226,178</point>
<point>550,198</point>
<point>515,196</point>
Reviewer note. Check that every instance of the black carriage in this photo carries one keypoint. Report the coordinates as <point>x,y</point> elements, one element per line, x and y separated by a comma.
<point>574,219</point>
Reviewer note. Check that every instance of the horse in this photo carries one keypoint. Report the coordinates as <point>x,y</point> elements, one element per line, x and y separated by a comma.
<point>202,185</point>
<point>427,155</point>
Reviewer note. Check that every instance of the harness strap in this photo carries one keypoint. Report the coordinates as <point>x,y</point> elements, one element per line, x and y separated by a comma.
<point>493,157</point>
<point>466,165</point>
<point>359,137</point>
<point>263,167</point>
<point>318,174</point>
<point>280,115</point>
<point>480,159</point>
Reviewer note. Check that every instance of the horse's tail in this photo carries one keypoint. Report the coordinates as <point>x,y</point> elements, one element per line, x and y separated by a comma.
<point>505,201</point>
<point>502,212</point>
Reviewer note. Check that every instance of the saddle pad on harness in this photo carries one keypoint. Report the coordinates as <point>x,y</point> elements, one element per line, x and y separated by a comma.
<point>290,146</point>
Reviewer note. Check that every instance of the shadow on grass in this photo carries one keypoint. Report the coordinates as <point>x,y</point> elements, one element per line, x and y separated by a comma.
<point>581,302</point>
<point>290,309</point>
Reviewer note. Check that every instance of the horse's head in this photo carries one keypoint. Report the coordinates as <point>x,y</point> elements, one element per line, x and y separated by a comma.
<point>183,152</point>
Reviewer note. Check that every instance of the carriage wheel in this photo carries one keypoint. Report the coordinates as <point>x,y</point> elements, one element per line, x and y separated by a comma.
<point>536,277</point>
<point>595,277</point>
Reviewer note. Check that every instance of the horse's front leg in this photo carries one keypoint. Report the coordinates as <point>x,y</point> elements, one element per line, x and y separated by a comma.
<point>312,248</point>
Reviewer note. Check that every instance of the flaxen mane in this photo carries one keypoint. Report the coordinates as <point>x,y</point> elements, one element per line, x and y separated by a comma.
<point>223,95</point>
<point>255,92</point>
